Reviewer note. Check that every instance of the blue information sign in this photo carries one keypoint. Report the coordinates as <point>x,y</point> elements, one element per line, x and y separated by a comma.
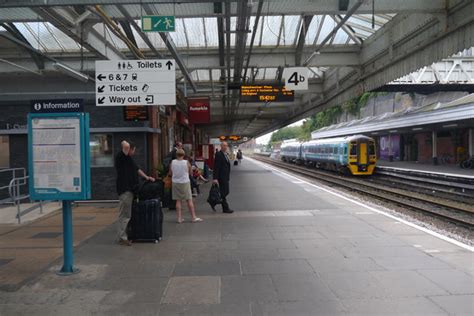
<point>58,156</point>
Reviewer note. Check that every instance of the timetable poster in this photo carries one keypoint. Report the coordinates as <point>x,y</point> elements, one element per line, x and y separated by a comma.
<point>56,149</point>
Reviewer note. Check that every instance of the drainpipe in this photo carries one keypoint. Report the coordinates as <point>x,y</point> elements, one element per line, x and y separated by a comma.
<point>471,142</point>
<point>434,140</point>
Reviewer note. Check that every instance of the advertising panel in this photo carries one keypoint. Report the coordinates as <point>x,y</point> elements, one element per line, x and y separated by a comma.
<point>199,110</point>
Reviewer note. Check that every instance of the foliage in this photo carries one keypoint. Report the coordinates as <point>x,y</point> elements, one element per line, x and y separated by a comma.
<point>286,133</point>
<point>323,118</point>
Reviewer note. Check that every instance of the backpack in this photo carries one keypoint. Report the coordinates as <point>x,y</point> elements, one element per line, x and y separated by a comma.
<point>150,190</point>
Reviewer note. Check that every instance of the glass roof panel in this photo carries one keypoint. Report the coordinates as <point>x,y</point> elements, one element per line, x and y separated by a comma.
<point>195,30</point>
<point>292,23</point>
<point>212,32</point>
<point>271,29</point>
<point>179,36</point>
<point>326,28</point>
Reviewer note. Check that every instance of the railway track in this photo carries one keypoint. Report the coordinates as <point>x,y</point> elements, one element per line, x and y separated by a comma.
<point>455,210</point>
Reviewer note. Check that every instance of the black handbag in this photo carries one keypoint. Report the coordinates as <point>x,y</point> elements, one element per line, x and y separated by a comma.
<point>214,195</point>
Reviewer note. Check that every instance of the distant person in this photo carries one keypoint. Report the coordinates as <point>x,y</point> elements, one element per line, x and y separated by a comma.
<point>181,172</point>
<point>127,180</point>
<point>221,175</point>
<point>239,156</point>
<point>178,145</point>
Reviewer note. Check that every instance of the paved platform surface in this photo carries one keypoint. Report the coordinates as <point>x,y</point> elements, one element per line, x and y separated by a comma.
<point>289,249</point>
<point>448,169</point>
<point>8,213</point>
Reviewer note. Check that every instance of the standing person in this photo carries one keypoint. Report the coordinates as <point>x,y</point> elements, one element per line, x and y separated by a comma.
<point>178,145</point>
<point>239,156</point>
<point>127,180</point>
<point>180,172</point>
<point>221,175</point>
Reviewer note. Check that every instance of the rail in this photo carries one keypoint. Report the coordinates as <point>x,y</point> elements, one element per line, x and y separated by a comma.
<point>9,173</point>
<point>16,190</point>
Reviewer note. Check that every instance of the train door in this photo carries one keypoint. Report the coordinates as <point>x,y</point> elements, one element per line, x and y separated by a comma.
<point>363,154</point>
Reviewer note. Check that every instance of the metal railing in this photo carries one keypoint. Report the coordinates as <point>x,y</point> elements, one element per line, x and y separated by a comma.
<point>18,192</point>
<point>9,173</point>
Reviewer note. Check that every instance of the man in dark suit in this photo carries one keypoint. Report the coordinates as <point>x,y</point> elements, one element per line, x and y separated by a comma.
<point>221,175</point>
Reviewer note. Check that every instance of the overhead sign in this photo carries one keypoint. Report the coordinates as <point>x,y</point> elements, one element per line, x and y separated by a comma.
<point>57,106</point>
<point>296,78</point>
<point>199,110</point>
<point>265,93</point>
<point>158,23</point>
<point>135,82</point>
<point>135,113</point>
<point>59,156</point>
<point>232,138</point>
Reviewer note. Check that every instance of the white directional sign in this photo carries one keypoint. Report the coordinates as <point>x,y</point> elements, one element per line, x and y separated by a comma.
<point>135,82</point>
<point>296,78</point>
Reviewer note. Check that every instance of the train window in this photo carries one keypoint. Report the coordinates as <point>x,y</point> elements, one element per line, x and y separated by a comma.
<point>334,150</point>
<point>371,149</point>
<point>345,150</point>
<point>353,150</point>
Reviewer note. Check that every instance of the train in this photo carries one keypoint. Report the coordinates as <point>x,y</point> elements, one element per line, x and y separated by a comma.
<point>354,155</point>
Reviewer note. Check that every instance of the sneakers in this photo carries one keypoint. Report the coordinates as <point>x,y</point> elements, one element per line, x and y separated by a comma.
<point>197,220</point>
<point>229,211</point>
<point>124,242</point>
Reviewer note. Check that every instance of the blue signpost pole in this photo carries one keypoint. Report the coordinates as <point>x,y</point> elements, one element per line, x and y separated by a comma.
<point>68,265</point>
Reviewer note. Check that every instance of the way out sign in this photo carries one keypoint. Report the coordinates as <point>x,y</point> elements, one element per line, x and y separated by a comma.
<point>296,78</point>
<point>158,23</point>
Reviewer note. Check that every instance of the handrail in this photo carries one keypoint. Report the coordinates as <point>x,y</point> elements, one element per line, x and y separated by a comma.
<point>14,174</point>
<point>14,190</point>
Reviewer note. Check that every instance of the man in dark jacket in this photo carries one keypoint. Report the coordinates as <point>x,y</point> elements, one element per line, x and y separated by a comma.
<point>221,175</point>
<point>127,180</point>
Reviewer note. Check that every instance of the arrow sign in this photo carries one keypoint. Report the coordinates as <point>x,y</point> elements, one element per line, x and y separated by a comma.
<point>169,64</point>
<point>100,89</point>
<point>101,76</point>
<point>101,100</point>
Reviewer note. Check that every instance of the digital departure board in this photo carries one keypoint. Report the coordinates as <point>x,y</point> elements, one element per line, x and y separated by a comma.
<point>135,113</point>
<point>265,93</point>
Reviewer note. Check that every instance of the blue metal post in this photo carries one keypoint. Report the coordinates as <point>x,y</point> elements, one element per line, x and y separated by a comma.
<point>68,266</point>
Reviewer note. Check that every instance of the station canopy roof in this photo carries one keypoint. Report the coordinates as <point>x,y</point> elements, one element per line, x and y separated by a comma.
<point>219,45</point>
<point>454,114</point>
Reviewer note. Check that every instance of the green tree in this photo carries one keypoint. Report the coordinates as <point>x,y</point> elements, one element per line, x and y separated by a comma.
<point>284,133</point>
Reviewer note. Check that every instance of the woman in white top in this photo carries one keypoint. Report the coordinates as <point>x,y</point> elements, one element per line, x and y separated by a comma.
<point>180,171</point>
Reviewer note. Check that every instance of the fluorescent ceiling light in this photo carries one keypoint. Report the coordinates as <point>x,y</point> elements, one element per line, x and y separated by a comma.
<point>450,125</point>
<point>417,128</point>
<point>393,131</point>
<point>71,72</point>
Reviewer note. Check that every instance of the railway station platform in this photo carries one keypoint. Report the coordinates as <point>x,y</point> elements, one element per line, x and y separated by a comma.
<point>290,248</point>
<point>448,170</point>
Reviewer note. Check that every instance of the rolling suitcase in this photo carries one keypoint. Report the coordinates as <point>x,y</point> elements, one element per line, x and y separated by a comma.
<point>147,221</point>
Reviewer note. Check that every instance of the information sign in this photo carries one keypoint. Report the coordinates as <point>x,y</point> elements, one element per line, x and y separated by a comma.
<point>158,23</point>
<point>59,156</point>
<point>57,106</point>
<point>265,93</point>
<point>135,82</point>
<point>135,113</point>
<point>296,78</point>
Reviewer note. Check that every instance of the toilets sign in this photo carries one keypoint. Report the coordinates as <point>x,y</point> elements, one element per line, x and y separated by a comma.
<point>135,82</point>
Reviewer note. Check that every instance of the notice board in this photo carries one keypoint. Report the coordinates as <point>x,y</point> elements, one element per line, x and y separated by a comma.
<point>58,155</point>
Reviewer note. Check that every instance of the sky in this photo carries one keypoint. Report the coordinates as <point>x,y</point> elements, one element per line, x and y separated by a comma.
<point>265,138</point>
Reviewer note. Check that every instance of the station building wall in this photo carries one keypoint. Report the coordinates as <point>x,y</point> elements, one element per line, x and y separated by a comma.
<point>13,129</point>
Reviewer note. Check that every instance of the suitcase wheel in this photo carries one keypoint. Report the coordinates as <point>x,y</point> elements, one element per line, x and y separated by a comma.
<point>156,241</point>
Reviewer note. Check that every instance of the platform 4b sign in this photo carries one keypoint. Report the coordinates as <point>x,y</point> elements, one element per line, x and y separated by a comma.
<point>296,78</point>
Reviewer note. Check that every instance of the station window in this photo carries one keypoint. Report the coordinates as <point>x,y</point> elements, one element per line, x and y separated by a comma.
<point>102,153</point>
<point>4,152</point>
